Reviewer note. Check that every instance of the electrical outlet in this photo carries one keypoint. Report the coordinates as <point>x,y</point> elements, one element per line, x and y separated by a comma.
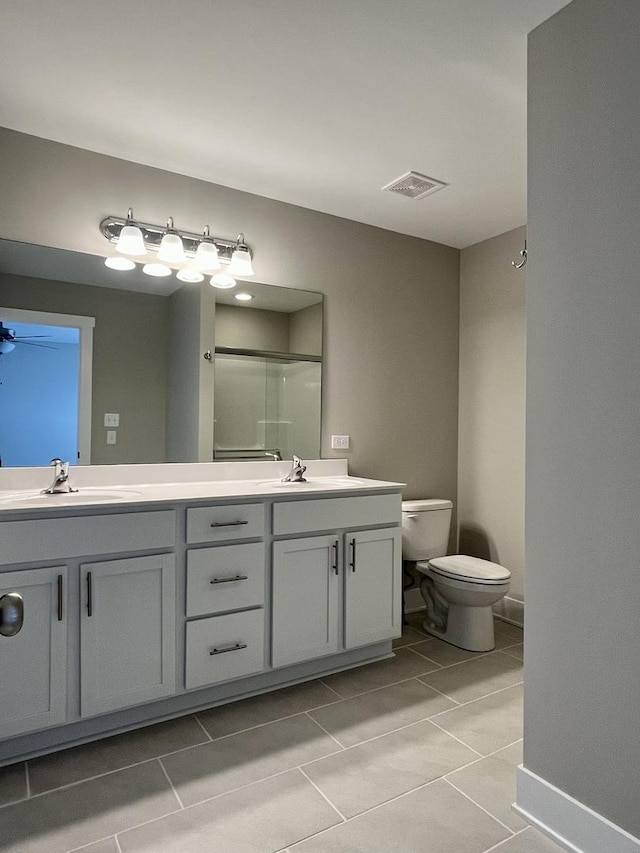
<point>339,442</point>
<point>111,436</point>
<point>111,420</point>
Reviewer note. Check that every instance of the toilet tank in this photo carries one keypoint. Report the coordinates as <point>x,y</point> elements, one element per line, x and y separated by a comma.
<point>425,528</point>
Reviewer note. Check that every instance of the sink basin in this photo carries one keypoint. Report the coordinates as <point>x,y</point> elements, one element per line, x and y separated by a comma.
<point>85,495</point>
<point>314,483</point>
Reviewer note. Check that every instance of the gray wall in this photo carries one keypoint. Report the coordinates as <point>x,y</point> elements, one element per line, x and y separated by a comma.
<point>391,308</point>
<point>492,394</point>
<point>583,408</point>
<point>129,359</point>
<point>252,328</point>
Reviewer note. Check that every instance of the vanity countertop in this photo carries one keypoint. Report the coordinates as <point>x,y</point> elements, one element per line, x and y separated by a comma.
<point>106,489</point>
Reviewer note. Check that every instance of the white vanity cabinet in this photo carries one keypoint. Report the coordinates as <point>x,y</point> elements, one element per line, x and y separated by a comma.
<point>33,661</point>
<point>337,591</point>
<point>127,632</point>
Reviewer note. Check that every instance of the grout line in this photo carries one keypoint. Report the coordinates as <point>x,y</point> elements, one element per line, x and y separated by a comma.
<point>486,811</point>
<point>468,746</point>
<point>324,796</point>
<point>199,722</point>
<point>116,839</point>
<point>477,699</point>
<point>97,841</point>
<point>329,687</point>
<point>335,739</point>
<point>27,779</point>
<point>504,841</point>
<point>177,795</point>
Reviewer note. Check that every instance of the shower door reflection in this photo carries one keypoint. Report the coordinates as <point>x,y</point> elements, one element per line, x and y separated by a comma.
<point>265,404</point>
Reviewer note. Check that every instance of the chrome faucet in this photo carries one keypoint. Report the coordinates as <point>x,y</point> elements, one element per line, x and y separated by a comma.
<point>275,455</point>
<point>295,475</point>
<point>60,483</point>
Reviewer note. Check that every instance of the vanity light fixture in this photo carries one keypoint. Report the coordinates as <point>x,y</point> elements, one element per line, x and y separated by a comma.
<point>193,253</point>
<point>130,239</point>
<point>243,297</point>
<point>222,280</point>
<point>117,262</point>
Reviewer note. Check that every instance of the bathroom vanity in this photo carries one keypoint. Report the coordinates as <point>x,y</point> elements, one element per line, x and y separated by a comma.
<point>141,599</point>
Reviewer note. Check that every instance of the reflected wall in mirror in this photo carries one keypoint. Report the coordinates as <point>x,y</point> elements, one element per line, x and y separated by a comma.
<point>147,363</point>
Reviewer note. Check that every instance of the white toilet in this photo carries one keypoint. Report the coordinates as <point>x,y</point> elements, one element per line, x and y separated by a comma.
<point>458,591</point>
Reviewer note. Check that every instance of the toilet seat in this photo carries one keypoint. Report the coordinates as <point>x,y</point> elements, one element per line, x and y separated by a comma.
<point>469,569</point>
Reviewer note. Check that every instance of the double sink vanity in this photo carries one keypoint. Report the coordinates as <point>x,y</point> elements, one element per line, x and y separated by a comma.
<point>138,599</point>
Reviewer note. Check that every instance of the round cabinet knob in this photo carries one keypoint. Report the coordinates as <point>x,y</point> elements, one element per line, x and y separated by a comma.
<point>11,614</point>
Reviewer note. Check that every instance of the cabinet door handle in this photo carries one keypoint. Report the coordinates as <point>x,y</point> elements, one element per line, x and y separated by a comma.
<point>235,648</point>
<point>335,556</point>
<point>352,564</point>
<point>89,595</point>
<point>228,523</point>
<point>59,598</point>
<point>230,579</point>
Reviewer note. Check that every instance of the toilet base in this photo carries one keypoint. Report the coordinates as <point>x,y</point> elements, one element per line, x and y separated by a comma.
<point>469,628</point>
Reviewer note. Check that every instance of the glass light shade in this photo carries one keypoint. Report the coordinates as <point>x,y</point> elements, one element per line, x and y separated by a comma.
<point>190,274</point>
<point>241,262</point>
<point>131,241</point>
<point>243,297</point>
<point>171,249</point>
<point>207,257</point>
<point>118,263</point>
<point>222,280</point>
<point>157,270</point>
<point>6,346</point>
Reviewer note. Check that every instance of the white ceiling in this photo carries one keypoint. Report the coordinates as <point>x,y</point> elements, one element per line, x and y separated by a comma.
<point>314,102</point>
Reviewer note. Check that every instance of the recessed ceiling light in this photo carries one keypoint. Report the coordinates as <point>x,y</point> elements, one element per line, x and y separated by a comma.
<point>157,270</point>
<point>119,263</point>
<point>244,297</point>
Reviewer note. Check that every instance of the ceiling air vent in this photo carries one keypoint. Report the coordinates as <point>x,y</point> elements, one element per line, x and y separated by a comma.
<point>414,185</point>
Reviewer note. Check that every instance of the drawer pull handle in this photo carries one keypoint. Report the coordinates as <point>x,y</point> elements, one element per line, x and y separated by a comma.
<point>335,557</point>
<point>59,584</point>
<point>234,648</point>
<point>352,564</point>
<point>228,523</point>
<point>89,595</point>
<point>230,579</point>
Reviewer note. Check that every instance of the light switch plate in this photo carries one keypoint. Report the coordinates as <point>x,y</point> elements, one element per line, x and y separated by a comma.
<point>339,442</point>
<point>111,436</point>
<point>111,420</point>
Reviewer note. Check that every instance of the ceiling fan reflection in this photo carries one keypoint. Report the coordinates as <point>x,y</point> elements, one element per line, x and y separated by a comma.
<point>8,340</point>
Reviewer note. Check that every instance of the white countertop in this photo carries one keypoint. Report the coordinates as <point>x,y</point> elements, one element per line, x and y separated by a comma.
<point>101,485</point>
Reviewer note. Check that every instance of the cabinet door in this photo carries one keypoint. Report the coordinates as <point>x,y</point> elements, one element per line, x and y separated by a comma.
<point>373,586</point>
<point>305,599</point>
<point>33,662</point>
<point>127,632</point>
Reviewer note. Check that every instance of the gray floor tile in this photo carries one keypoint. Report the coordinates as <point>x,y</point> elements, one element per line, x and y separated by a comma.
<point>487,724</point>
<point>13,783</point>
<point>236,716</point>
<point>467,681</point>
<point>108,845</point>
<point>371,714</point>
<point>81,814</point>
<point>434,819</point>
<point>443,653</point>
<point>113,753</point>
<point>409,635</point>
<point>231,762</point>
<point>516,651</point>
<point>404,665</point>
<point>506,629</point>
<point>529,841</point>
<point>375,772</point>
<point>491,782</point>
<point>260,818</point>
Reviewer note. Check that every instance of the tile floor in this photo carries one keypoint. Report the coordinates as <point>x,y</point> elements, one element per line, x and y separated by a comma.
<point>415,754</point>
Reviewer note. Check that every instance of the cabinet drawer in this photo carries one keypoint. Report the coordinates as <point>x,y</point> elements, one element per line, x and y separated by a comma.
<point>55,538</point>
<point>219,523</point>
<point>229,577</point>
<point>304,516</point>
<point>224,647</point>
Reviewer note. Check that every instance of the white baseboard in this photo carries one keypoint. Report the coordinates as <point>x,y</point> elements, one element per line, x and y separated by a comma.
<point>511,610</point>
<point>568,822</point>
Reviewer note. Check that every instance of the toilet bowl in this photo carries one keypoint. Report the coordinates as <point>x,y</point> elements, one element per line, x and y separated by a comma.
<point>458,590</point>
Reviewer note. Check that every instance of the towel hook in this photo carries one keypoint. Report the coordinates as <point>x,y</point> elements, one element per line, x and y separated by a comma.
<point>523,255</point>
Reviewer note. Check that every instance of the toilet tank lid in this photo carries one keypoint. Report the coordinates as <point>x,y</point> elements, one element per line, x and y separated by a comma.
<point>426,504</point>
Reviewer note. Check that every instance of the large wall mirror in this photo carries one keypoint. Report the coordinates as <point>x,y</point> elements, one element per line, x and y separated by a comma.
<point>191,373</point>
